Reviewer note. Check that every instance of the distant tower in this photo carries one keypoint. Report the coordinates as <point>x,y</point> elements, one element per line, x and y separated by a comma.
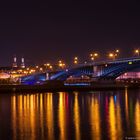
<point>15,62</point>
<point>22,63</point>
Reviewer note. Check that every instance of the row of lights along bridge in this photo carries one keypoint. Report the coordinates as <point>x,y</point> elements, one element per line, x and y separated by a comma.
<point>111,55</point>
<point>62,65</point>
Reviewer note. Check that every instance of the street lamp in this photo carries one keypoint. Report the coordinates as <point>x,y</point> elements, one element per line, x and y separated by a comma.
<point>75,61</point>
<point>61,64</point>
<point>111,55</point>
<point>41,69</point>
<point>114,54</point>
<point>48,64</point>
<point>93,56</point>
<point>50,67</point>
<point>137,52</point>
<point>117,51</point>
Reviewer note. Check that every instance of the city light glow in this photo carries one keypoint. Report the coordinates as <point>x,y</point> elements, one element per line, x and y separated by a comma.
<point>137,52</point>
<point>75,61</point>
<point>93,56</point>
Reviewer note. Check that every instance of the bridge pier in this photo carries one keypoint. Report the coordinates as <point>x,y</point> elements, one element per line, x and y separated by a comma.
<point>97,71</point>
<point>47,76</point>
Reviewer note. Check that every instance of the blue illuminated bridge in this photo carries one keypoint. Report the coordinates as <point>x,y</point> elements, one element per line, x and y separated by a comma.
<point>96,70</point>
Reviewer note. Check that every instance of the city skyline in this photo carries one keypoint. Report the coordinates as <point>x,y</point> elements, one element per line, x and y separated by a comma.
<point>93,56</point>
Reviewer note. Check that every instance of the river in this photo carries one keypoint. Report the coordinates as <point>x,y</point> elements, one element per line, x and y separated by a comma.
<point>91,115</point>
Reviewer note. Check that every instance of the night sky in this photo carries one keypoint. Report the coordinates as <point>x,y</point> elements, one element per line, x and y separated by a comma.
<point>49,31</point>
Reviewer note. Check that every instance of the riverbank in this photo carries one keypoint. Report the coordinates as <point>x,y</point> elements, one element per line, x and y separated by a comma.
<point>59,87</point>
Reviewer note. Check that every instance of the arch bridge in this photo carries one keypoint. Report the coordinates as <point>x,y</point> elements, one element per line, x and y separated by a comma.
<point>97,70</point>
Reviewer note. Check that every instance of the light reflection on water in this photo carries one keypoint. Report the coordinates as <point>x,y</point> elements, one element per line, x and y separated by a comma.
<point>79,116</point>
<point>94,118</point>
<point>76,117</point>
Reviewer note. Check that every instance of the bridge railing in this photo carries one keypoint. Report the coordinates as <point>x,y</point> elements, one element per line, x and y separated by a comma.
<point>121,60</point>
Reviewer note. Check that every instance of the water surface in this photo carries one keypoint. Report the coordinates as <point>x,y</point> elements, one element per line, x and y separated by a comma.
<point>92,115</point>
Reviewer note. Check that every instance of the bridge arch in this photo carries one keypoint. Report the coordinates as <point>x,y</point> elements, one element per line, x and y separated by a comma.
<point>110,70</point>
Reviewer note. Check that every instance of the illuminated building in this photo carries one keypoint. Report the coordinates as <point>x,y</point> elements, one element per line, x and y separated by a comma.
<point>22,63</point>
<point>15,62</point>
<point>4,75</point>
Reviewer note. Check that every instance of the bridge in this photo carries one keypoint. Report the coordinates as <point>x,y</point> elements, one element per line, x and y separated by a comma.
<point>96,70</point>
